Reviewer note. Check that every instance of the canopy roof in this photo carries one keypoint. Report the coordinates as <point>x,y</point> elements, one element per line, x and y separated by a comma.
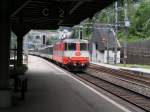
<point>50,14</point>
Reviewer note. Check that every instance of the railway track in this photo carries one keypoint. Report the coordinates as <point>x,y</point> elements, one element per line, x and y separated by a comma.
<point>139,100</point>
<point>122,78</point>
<point>122,73</point>
<point>125,85</point>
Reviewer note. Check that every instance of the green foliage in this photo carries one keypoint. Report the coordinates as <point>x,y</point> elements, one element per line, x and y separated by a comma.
<point>51,40</point>
<point>139,16</point>
<point>142,19</point>
<point>87,27</point>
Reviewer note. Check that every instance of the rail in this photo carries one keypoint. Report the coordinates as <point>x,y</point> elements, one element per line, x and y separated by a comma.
<point>122,78</point>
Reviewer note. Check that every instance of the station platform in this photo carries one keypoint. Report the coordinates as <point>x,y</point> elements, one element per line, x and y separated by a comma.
<point>53,90</point>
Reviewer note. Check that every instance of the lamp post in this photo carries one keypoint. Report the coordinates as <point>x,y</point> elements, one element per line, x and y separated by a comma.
<point>127,25</point>
<point>115,33</point>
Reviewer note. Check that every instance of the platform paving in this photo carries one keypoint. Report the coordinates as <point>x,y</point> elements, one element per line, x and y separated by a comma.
<point>51,90</point>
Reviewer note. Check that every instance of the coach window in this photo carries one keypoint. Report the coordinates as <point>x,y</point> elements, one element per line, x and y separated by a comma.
<point>83,46</point>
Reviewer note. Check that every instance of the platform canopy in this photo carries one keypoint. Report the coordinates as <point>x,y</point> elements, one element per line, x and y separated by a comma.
<point>49,14</point>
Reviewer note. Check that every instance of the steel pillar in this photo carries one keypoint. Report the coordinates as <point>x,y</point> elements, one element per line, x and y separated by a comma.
<point>19,50</point>
<point>20,30</point>
<point>5,94</point>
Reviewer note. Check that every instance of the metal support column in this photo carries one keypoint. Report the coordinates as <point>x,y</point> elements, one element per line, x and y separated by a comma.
<point>107,47</point>
<point>5,94</point>
<point>19,50</point>
<point>115,33</point>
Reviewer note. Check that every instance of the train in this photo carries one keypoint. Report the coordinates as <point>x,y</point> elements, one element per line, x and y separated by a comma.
<point>72,54</point>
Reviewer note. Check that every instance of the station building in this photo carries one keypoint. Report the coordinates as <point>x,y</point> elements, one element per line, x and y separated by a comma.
<point>104,46</point>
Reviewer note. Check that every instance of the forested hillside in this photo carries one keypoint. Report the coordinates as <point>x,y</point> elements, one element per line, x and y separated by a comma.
<point>138,14</point>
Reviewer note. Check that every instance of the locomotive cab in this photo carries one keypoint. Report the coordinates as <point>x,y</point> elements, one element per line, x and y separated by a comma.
<point>76,55</point>
<point>72,54</point>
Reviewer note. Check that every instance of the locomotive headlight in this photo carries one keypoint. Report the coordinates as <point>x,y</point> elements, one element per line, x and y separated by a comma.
<point>77,53</point>
<point>69,59</point>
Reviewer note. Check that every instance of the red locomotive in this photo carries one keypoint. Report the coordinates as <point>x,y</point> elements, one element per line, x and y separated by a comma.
<point>72,53</point>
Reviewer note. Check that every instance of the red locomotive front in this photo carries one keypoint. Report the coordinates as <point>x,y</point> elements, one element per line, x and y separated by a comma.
<point>72,53</point>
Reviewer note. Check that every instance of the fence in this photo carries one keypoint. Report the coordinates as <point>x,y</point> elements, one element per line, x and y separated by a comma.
<point>138,53</point>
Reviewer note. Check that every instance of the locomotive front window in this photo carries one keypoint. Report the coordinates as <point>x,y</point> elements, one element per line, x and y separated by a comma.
<point>70,46</point>
<point>83,46</point>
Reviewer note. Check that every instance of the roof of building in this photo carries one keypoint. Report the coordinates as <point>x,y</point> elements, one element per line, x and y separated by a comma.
<point>104,37</point>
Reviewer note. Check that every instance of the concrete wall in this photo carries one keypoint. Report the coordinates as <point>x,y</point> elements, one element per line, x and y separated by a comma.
<point>111,56</point>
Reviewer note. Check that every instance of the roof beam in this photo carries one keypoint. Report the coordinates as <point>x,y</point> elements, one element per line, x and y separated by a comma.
<point>75,7</point>
<point>20,8</point>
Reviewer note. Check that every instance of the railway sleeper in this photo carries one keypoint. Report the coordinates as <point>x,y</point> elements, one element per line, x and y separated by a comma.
<point>128,84</point>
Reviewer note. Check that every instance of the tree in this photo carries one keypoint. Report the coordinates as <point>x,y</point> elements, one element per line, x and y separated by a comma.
<point>139,16</point>
<point>142,18</point>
